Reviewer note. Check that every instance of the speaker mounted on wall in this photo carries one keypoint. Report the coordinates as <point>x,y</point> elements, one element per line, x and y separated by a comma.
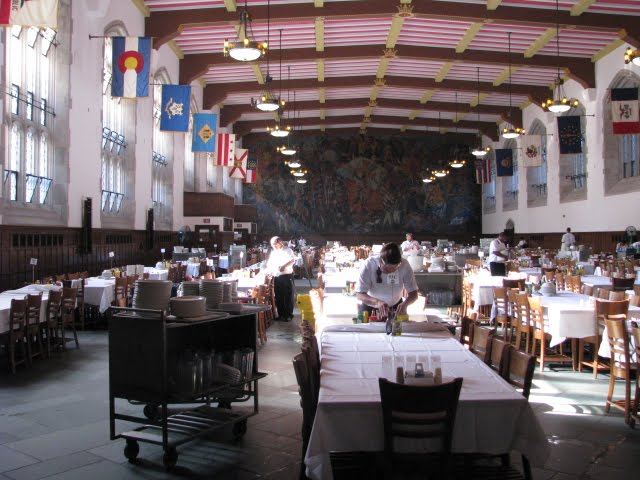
<point>149,231</point>
<point>86,235</point>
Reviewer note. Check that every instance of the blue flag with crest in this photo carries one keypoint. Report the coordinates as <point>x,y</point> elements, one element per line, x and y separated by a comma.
<point>176,100</point>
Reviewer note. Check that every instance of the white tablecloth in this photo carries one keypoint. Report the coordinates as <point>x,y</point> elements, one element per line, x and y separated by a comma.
<point>596,280</point>
<point>99,292</point>
<point>492,417</point>
<point>483,283</point>
<point>157,273</point>
<point>5,302</point>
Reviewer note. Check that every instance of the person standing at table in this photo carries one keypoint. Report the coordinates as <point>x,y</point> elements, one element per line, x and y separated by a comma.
<point>280,265</point>
<point>568,240</point>
<point>409,245</point>
<point>382,281</point>
<point>498,255</point>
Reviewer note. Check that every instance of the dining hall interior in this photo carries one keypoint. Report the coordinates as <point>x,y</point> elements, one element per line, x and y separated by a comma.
<point>154,149</point>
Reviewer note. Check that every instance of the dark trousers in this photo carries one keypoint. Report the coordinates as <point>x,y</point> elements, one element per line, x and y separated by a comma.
<point>498,269</point>
<point>283,289</point>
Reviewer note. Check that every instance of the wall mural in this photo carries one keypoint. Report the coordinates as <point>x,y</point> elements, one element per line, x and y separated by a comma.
<point>361,184</point>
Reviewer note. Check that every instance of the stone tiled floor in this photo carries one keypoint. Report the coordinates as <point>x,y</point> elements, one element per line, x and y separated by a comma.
<point>54,424</point>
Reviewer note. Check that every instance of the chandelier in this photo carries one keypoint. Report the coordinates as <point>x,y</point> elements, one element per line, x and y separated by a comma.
<point>268,102</point>
<point>479,151</point>
<point>298,173</point>
<point>429,178</point>
<point>286,150</point>
<point>301,180</point>
<point>440,173</point>
<point>244,49</point>
<point>511,131</point>
<point>278,130</point>
<point>457,161</point>
<point>558,102</point>
<point>295,163</point>
<point>632,56</point>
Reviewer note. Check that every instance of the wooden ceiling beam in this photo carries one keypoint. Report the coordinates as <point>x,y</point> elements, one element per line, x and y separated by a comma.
<point>215,94</point>
<point>232,113</point>
<point>166,25</point>
<point>582,70</point>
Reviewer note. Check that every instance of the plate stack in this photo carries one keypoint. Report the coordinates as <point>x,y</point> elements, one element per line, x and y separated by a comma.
<point>152,294</point>
<point>212,290</point>
<point>190,288</point>
<point>226,292</point>
<point>189,306</point>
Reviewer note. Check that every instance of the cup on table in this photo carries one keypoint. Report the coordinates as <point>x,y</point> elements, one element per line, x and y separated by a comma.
<point>387,366</point>
<point>398,361</point>
<point>424,360</point>
<point>410,364</point>
<point>436,366</point>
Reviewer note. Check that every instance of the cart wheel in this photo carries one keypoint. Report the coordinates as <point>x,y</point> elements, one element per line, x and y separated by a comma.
<point>131,450</point>
<point>239,429</point>
<point>170,458</point>
<point>151,411</point>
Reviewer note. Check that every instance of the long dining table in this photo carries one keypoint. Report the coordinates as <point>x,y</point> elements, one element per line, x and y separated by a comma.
<point>492,417</point>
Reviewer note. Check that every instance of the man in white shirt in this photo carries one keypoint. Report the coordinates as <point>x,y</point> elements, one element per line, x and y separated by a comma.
<point>280,265</point>
<point>568,240</point>
<point>409,245</point>
<point>383,279</point>
<point>498,255</point>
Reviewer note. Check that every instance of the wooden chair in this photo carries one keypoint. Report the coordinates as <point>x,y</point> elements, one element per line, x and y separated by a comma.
<point>52,318</point>
<point>481,342</point>
<point>499,358</point>
<point>634,301</point>
<point>120,299</point>
<point>308,402</point>
<point>17,333</point>
<point>513,283</point>
<point>603,309</point>
<point>587,290</point>
<point>419,412</point>
<point>80,307</point>
<point>603,293</point>
<point>67,315</point>
<point>618,338</point>
<point>538,324</point>
<point>33,329</point>
<point>520,370</point>
<point>560,281</point>
<point>466,331</point>
<point>635,334</point>
<point>616,296</point>
<point>503,318</point>
<point>521,320</point>
<point>312,355</point>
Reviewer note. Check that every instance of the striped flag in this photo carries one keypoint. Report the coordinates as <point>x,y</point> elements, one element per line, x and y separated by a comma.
<point>624,110</point>
<point>31,13</point>
<point>239,169</point>
<point>483,171</point>
<point>225,150</point>
<point>252,169</point>
<point>131,63</point>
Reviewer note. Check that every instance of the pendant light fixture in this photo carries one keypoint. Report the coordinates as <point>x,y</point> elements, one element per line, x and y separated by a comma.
<point>478,151</point>
<point>278,130</point>
<point>267,102</point>
<point>288,149</point>
<point>243,48</point>
<point>558,102</point>
<point>511,131</point>
<point>440,172</point>
<point>457,161</point>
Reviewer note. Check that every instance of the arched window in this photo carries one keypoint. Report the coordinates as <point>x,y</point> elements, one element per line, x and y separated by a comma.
<point>621,151</point>
<point>162,157</point>
<point>510,184</point>
<point>118,117</point>
<point>29,75</point>
<point>489,189</point>
<point>573,167</point>
<point>537,176</point>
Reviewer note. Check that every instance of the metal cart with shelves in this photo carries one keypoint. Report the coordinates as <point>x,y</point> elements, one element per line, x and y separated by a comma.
<point>143,347</point>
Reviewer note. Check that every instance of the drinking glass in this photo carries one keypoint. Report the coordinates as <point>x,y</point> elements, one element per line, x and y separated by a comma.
<point>387,366</point>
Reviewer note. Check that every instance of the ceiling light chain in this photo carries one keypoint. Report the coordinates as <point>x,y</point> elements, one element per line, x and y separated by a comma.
<point>511,131</point>
<point>278,130</point>
<point>478,150</point>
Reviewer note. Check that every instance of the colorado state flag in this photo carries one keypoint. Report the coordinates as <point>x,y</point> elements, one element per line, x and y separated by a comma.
<point>176,100</point>
<point>204,132</point>
<point>131,62</point>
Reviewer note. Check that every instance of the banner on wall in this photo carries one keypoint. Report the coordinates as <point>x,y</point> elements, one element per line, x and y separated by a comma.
<point>504,162</point>
<point>532,149</point>
<point>204,132</point>
<point>570,135</point>
<point>239,169</point>
<point>29,13</point>
<point>252,170</point>
<point>624,111</point>
<point>225,149</point>
<point>131,61</point>
<point>483,171</point>
<point>176,102</point>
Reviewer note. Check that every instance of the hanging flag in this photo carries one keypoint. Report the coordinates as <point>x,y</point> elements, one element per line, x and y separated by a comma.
<point>131,61</point>
<point>29,13</point>
<point>204,132</point>
<point>483,171</point>
<point>532,148</point>
<point>176,101</point>
<point>252,170</point>
<point>239,169</point>
<point>570,135</point>
<point>504,162</point>
<point>624,110</point>
<point>225,149</point>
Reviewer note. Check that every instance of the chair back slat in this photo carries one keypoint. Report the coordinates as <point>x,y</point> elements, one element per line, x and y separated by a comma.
<point>619,346</point>
<point>34,305</point>
<point>481,342</point>
<point>17,314</point>
<point>499,358</point>
<point>520,370</point>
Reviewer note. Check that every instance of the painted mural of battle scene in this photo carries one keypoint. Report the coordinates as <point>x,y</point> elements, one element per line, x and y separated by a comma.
<point>362,184</point>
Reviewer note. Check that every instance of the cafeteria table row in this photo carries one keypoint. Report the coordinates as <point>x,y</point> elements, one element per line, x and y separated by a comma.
<point>492,417</point>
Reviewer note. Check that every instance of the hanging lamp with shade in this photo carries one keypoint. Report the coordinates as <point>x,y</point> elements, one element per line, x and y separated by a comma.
<point>558,101</point>
<point>268,101</point>
<point>279,130</point>
<point>243,48</point>
<point>511,131</point>
<point>288,149</point>
<point>457,161</point>
<point>439,172</point>
<point>479,151</point>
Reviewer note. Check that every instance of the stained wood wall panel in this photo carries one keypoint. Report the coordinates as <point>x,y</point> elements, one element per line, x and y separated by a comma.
<point>208,205</point>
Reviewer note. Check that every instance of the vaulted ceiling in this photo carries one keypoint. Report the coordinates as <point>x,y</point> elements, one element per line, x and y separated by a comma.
<point>392,65</point>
